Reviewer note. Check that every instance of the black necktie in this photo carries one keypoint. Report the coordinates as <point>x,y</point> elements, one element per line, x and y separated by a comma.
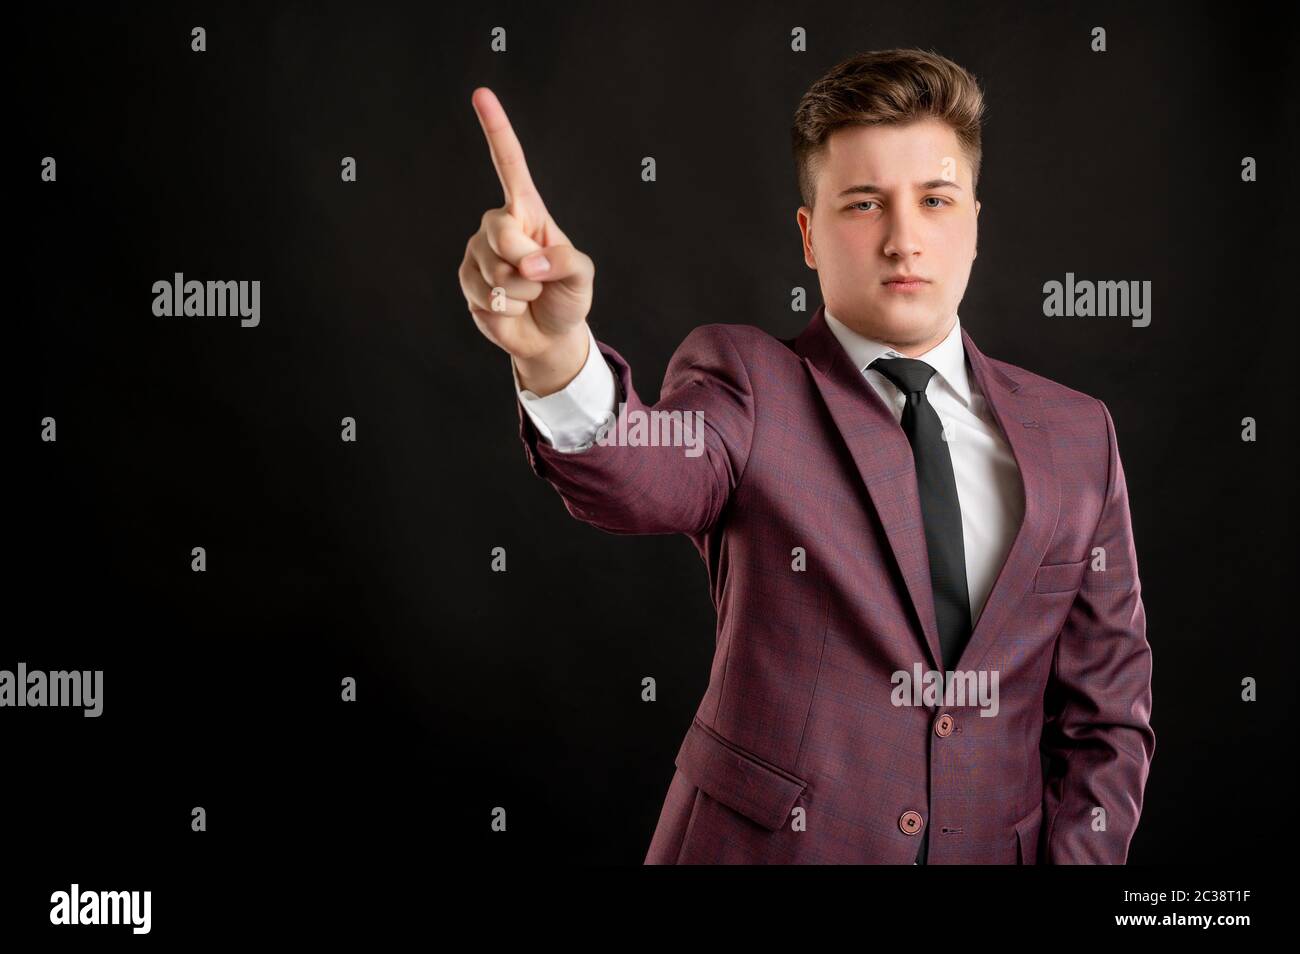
<point>940,512</point>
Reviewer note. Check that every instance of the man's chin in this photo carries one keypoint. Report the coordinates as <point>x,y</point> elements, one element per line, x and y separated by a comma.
<point>895,323</point>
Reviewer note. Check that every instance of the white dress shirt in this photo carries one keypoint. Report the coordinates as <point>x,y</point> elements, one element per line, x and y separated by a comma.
<point>988,479</point>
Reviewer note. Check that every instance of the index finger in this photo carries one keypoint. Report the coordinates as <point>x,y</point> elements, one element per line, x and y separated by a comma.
<point>507,154</point>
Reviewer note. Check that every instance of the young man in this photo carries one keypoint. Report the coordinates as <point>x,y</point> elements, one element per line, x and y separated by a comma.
<point>931,642</point>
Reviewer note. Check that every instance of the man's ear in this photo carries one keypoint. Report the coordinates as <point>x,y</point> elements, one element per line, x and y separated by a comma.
<point>977,234</point>
<point>802,214</point>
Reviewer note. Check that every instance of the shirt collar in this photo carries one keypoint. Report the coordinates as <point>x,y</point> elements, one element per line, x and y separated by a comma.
<point>948,357</point>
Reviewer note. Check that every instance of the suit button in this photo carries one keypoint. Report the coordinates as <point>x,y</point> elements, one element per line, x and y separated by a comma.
<point>910,822</point>
<point>943,726</point>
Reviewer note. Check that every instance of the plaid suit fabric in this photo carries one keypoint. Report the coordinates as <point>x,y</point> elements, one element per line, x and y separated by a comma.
<point>797,752</point>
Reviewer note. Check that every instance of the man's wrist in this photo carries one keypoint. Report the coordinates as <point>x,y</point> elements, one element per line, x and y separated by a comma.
<point>553,370</point>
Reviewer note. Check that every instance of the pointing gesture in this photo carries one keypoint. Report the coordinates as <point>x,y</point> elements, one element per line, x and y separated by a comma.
<point>522,198</point>
<point>528,288</point>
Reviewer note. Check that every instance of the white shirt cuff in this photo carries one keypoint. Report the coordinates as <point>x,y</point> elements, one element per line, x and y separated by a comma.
<point>570,418</point>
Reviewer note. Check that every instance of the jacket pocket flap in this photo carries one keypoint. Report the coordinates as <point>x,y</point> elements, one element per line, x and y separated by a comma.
<point>738,779</point>
<point>1059,577</point>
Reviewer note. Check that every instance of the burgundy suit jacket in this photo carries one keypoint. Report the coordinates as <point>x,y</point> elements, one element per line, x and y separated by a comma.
<point>796,753</point>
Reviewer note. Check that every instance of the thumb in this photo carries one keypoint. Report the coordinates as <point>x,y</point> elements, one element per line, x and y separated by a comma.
<point>559,263</point>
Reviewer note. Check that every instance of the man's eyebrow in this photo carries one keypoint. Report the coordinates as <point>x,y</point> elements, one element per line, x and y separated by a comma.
<point>870,189</point>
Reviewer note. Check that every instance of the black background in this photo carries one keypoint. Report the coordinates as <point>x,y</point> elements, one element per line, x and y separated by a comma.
<point>372,560</point>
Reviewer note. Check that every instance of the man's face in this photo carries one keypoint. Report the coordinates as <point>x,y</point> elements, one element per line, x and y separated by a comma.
<point>891,200</point>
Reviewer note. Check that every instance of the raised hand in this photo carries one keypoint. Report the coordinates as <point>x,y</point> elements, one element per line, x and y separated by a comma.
<point>538,315</point>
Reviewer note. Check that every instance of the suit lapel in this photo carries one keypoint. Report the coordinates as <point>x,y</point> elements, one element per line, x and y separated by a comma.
<point>1020,417</point>
<point>883,458</point>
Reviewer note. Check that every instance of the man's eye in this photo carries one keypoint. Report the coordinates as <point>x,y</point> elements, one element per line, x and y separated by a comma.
<point>940,199</point>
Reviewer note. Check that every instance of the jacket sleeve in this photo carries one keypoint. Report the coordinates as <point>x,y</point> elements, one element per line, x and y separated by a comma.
<point>666,468</point>
<point>1097,736</point>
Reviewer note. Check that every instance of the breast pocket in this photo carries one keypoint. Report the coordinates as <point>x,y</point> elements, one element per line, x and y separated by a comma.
<point>1059,577</point>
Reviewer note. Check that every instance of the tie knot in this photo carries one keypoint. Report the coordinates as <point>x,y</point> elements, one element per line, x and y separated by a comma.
<point>908,374</point>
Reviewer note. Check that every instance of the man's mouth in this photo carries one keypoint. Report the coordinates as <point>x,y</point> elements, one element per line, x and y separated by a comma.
<point>905,283</point>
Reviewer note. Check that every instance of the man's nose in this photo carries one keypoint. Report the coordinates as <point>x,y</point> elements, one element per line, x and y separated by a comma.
<point>903,235</point>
